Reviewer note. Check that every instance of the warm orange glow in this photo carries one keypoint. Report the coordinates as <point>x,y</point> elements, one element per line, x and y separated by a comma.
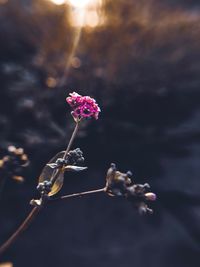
<point>51,82</point>
<point>58,2</point>
<point>80,3</point>
<point>76,62</point>
<point>85,12</point>
<point>2,2</point>
<point>6,264</point>
<point>78,17</point>
<point>92,19</point>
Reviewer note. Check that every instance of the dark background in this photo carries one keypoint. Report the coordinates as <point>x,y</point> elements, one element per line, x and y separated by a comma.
<point>143,67</point>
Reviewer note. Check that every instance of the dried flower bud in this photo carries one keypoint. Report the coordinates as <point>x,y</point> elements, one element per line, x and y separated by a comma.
<point>120,184</point>
<point>18,178</point>
<point>150,196</point>
<point>143,209</point>
<point>6,159</point>
<point>19,151</point>
<point>11,148</point>
<point>13,162</point>
<point>24,157</point>
<point>45,187</point>
<point>1,163</point>
<point>116,182</point>
<point>75,157</point>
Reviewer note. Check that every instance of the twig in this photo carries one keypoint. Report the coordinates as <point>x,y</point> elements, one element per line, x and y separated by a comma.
<point>76,195</point>
<point>34,213</point>
<point>21,229</point>
<point>71,140</point>
<point>36,210</point>
<point>57,172</point>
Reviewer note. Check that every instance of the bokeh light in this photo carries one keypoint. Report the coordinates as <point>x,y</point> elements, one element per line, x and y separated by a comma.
<point>59,2</point>
<point>2,2</point>
<point>92,19</point>
<point>85,13</point>
<point>81,3</point>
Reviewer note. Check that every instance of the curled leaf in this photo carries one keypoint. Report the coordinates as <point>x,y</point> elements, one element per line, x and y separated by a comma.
<point>53,165</point>
<point>74,168</point>
<point>49,171</point>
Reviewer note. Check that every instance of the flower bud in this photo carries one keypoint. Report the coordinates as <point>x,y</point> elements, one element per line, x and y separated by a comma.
<point>150,196</point>
<point>11,148</point>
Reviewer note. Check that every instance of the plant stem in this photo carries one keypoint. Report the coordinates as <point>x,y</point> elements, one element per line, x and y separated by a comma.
<point>81,194</point>
<point>36,210</point>
<point>71,140</point>
<point>57,172</point>
<point>20,230</point>
<point>34,213</point>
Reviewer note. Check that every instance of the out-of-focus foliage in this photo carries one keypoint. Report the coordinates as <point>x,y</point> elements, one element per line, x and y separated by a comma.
<point>33,53</point>
<point>148,53</point>
<point>12,162</point>
<point>145,53</point>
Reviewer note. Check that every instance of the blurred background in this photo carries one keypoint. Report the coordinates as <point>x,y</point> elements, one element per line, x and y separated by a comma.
<point>141,61</point>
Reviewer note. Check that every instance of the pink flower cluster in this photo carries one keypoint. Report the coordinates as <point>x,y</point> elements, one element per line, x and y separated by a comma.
<point>83,106</point>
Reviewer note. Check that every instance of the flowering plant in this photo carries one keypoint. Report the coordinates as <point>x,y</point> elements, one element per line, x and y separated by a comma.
<point>83,106</point>
<point>51,180</point>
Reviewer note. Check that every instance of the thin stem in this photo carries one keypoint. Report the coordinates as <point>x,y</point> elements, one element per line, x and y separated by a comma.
<point>20,230</point>
<point>34,213</point>
<point>57,172</point>
<point>36,210</point>
<point>81,194</point>
<point>71,140</point>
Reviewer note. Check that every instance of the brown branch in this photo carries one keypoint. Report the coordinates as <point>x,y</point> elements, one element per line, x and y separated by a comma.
<point>71,140</point>
<point>20,230</point>
<point>34,213</point>
<point>57,172</point>
<point>81,194</point>
<point>36,210</point>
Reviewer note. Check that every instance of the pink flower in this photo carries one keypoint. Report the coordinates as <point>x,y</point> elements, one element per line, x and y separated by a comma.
<point>83,106</point>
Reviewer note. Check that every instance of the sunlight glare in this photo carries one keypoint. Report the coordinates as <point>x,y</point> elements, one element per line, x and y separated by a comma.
<point>80,3</point>
<point>92,19</point>
<point>58,2</point>
<point>85,13</point>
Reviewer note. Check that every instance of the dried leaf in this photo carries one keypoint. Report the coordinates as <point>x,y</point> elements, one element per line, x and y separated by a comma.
<point>75,168</point>
<point>48,172</point>
<point>52,165</point>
